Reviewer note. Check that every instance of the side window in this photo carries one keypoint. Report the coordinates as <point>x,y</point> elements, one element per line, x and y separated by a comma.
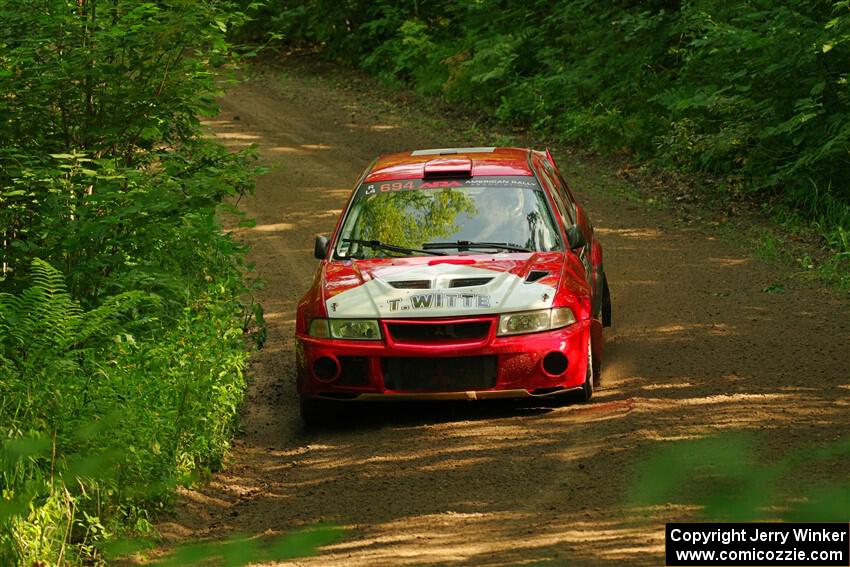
<point>570,197</point>
<point>566,210</point>
<point>566,194</point>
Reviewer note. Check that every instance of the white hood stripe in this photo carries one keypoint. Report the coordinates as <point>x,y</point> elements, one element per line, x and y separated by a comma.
<point>377,298</point>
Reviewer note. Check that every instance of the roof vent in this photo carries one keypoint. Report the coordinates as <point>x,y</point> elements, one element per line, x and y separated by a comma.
<point>448,167</point>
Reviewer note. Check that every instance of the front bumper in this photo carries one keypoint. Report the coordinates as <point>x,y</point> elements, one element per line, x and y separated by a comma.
<point>531,365</point>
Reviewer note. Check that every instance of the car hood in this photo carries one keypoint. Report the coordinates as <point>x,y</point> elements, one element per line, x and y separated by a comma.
<point>441,287</point>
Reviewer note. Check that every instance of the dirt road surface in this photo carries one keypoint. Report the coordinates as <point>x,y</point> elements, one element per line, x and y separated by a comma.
<point>699,346</point>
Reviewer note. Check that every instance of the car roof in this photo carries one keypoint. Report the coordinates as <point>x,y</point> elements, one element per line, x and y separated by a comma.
<point>444,161</point>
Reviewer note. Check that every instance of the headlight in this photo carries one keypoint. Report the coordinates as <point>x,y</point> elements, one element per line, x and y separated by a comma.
<point>355,329</point>
<point>535,321</point>
<point>562,317</point>
<point>319,328</point>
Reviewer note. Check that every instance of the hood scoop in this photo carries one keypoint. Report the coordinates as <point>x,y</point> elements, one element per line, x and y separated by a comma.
<point>469,282</point>
<point>426,284</point>
<point>535,275</point>
<point>411,284</point>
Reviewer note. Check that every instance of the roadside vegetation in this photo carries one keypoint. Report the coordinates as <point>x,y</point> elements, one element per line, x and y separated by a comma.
<point>750,97</point>
<point>121,325</point>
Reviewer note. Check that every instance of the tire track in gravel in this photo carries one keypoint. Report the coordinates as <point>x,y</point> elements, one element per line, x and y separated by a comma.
<point>697,347</point>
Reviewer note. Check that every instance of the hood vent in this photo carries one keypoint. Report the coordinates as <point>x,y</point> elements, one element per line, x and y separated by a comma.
<point>535,275</point>
<point>469,282</point>
<point>411,284</point>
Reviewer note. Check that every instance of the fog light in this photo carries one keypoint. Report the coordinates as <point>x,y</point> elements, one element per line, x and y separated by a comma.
<point>555,363</point>
<point>326,368</point>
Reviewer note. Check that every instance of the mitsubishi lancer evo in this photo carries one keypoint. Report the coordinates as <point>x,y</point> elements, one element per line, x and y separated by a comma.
<point>465,273</point>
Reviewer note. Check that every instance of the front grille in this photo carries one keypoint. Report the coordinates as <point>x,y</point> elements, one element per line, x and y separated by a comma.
<point>425,332</point>
<point>436,374</point>
<point>354,371</point>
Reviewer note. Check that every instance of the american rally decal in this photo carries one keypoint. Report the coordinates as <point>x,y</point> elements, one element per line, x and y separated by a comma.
<point>442,290</point>
<point>417,184</point>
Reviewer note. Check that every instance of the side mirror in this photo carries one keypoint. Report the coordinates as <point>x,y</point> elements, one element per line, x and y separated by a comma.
<point>320,248</point>
<point>576,237</point>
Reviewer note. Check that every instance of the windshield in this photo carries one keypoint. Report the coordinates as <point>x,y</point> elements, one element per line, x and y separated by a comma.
<point>479,215</point>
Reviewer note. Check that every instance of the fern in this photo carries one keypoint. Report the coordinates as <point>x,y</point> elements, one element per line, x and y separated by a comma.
<point>44,323</point>
<point>43,313</point>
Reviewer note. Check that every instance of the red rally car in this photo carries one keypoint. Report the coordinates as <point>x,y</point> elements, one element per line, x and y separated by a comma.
<point>464,273</point>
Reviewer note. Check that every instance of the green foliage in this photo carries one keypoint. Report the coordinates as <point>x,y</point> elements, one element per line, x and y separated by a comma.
<point>166,390</point>
<point>753,90</point>
<point>60,512</point>
<point>242,549</point>
<point>721,475</point>
<point>121,325</point>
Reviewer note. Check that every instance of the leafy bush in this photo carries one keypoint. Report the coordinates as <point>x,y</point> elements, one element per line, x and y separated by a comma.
<point>129,405</point>
<point>722,477</point>
<point>121,326</point>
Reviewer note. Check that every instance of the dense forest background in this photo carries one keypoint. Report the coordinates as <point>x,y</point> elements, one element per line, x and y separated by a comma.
<point>754,93</point>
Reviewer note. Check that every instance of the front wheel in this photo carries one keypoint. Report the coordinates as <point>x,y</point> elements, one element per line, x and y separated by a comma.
<point>587,388</point>
<point>314,413</point>
<point>606,302</point>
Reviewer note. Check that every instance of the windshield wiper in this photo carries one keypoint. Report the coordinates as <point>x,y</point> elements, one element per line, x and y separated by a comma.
<point>465,245</point>
<point>377,244</point>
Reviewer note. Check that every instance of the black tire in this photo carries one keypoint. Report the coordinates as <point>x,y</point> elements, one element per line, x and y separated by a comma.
<point>314,412</point>
<point>597,372</point>
<point>606,302</point>
<point>586,392</point>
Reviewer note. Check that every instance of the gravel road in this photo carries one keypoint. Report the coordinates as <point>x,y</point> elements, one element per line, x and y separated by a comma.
<point>699,346</point>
